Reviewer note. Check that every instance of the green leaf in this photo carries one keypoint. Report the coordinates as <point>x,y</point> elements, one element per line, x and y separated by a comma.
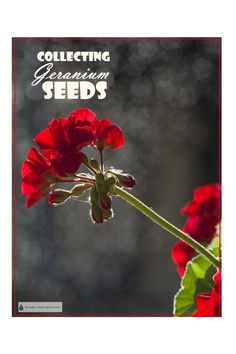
<point>198,278</point>
<point>214,245</point>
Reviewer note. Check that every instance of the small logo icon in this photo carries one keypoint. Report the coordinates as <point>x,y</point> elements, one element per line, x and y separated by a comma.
<point>21,308</point>
<point>39,307</point>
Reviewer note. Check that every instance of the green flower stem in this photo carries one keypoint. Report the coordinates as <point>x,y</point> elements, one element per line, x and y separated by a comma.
<point>90,168</point>
<point>101,160</point>
<point>84,180</point>
<point>151,214</point>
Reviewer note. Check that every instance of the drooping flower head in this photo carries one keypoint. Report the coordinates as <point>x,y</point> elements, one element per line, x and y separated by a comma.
<point>61,144</point>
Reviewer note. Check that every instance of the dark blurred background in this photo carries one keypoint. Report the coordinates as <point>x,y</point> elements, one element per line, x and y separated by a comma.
<point>163,94</point>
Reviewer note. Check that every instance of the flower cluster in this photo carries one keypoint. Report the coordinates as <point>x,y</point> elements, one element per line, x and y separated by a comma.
<point>204,215</point>
<point>61,156</point>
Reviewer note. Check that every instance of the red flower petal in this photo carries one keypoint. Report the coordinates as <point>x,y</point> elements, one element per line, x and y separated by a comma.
<point>201,228</point>
<point>58,129</point>
<point>27,188</point>
<point>81,137</point>
<point>108,135</point>
<point>45,141</point>
<point>63,140</point>
<point>26,168</point>
<point>115,138</point>
<point>209,304</point>
<point>37,175</point>
<point>83,116</point>
<point>69,163</point>
<point>202,305</point>
<point>34,198</point>
<point>206,201</point>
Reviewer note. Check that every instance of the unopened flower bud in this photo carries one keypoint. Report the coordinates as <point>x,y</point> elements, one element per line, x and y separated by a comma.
<point>107,214</point>
<point>126,180</point>
<point>58,196</point>
<point>96,213</point>
<point>105,201</point>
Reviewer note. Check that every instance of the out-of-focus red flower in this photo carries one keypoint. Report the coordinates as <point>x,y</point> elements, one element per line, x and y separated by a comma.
<point>204,215</point>
<point>107,135</point>
<point>204,212</point>
<point>209,304</point>
<point>201,228</point>
<point>62,141</point>
<point>181,254</point>
<point>37,176</point>
<point>206,201</point>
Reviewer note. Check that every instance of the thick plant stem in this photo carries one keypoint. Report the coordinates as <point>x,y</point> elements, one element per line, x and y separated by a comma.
<point>151,214</point>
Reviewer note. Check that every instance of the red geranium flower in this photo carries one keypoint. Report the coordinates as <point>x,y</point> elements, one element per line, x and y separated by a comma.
<point>37,176</point>
<point>209,304</point>
<point>204,215</point>
<point>204,212</point>
<point>64,139</point>
<point>206,201</point>
<point>201,228</point>
<point>61,144</point>
<point>107,134</point>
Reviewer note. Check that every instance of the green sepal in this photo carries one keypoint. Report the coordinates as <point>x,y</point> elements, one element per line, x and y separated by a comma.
<point>96,213</point>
